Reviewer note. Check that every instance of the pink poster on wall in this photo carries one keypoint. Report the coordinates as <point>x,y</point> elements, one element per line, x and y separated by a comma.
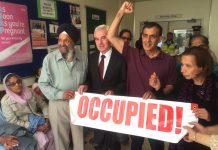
<point>15,46</point>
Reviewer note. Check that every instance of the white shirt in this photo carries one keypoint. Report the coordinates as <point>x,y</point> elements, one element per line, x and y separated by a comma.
<point>106,60</point>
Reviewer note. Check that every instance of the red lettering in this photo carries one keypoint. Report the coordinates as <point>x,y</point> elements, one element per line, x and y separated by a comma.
<point>118,113</point>
<point>83,106</point>
<point>120,110</point>
<point>179,112</point>
<point>165,121</point>
<point>95,102</point>
<point>141,115</point>
<point>132,109</point>
<point>151,116</point>
<point>106,104</point>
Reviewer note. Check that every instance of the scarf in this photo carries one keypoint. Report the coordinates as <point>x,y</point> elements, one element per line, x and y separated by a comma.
<point>21,99</point>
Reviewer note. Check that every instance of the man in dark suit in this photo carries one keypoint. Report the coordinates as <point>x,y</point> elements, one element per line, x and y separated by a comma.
<point>106,75</point>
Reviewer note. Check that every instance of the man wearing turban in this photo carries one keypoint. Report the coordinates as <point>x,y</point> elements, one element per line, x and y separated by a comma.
<point>63,71</point>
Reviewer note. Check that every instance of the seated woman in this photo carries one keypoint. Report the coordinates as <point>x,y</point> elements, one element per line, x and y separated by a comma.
<point>19,106</point>
<point>198,87</point>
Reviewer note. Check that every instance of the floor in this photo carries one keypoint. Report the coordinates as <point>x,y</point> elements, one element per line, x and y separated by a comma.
<point>89,146</point>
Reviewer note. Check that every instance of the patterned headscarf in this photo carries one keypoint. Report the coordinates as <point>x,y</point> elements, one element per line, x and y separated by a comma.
<point>21,99</point>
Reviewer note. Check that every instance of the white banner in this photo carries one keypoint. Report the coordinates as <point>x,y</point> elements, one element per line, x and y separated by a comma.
<point>157,119</point>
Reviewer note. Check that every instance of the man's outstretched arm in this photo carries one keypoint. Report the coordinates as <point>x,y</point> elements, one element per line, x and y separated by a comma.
<point>116,41</point>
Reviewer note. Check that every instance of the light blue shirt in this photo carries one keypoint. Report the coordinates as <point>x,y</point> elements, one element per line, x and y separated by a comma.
<point>58,75</point>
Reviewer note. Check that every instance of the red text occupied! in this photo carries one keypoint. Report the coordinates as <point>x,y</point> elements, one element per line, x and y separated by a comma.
<point>122,111</point>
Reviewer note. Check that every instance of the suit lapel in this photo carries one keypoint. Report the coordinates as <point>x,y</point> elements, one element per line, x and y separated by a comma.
<point>95,65</point>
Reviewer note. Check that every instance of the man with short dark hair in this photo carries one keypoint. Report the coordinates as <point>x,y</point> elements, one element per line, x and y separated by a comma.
<point>151,73</point>
<point>63,71</point>
<point>126,35</point>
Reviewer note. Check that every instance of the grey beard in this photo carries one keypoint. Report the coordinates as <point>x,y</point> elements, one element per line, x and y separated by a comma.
<point>70,55</point>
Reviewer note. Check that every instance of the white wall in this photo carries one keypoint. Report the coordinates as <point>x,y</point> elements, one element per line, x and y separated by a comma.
<point>148,10</point>
<point>213,30</point>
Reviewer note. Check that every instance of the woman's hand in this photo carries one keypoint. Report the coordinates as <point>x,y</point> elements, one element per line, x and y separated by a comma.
<point>198,127</point>
<point>9,142</point>
<point>44,128</point>
<point>202,113</point>
<point>191,134</point>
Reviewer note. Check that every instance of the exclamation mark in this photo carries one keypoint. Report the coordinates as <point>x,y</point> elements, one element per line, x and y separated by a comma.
<point>179,112</point>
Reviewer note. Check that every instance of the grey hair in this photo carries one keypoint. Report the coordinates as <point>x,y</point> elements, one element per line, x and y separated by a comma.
<point>102,27</point>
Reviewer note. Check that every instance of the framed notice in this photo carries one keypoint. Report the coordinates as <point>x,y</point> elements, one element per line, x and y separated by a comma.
<point>47,9</point>
<point>94,17</point>
<point>15,46</point>
<point>38,34</point>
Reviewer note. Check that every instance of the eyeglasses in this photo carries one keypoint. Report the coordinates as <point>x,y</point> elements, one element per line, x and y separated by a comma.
<point>12,84</point>
<point>126,38</point>
<point>153,36</point>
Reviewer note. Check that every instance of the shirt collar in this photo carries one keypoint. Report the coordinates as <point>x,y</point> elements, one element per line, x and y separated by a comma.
<point>59,56</point>
<point>159,56</point>
<point>107,54</point>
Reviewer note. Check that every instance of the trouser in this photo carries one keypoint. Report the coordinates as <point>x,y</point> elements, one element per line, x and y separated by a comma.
<point>156,144</point>
<point>182,145</point>
<point>114,146</point>
<point>137,143</point>
<point>106,140</point>
<point>59,116</point>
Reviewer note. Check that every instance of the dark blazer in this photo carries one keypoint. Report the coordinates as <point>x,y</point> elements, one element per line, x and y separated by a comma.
<point>115,77</point>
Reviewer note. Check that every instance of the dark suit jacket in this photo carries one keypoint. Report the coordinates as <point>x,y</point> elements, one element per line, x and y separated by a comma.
<point>115,77</point>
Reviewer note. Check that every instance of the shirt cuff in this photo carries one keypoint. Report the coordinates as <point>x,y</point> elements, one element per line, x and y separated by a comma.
<point>60,95</point>
<point>159,93</point>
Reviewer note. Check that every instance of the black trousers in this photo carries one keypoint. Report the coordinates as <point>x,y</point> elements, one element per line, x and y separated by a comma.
<point>114,146</point>
<point>105,140</point>
<point>137,143</point>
